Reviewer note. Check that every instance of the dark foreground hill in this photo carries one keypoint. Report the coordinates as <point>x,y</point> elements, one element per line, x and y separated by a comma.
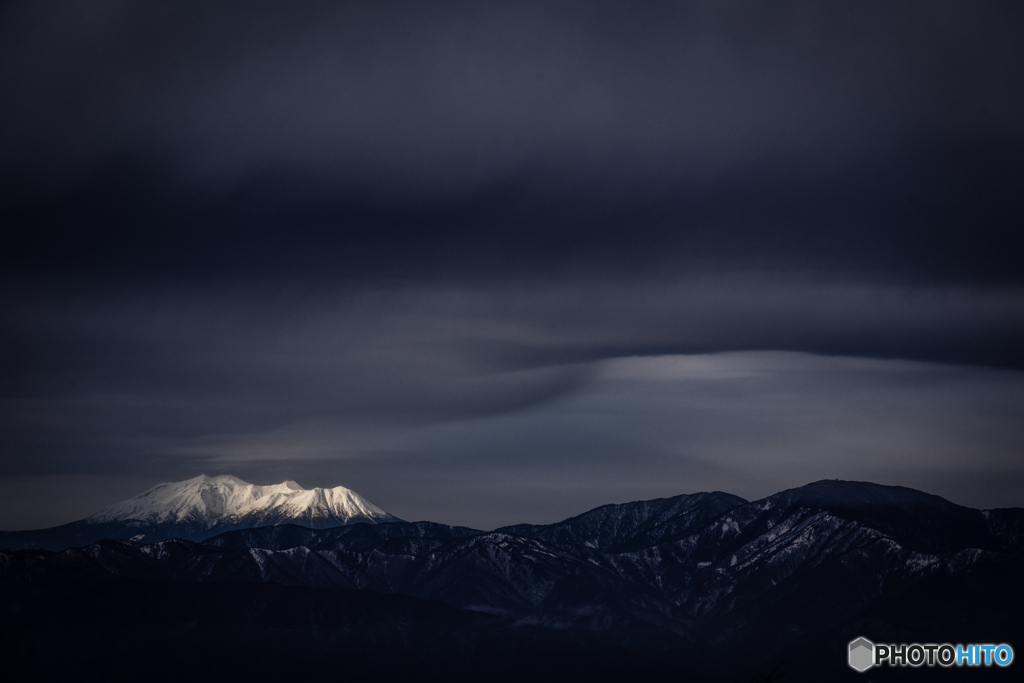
<point>696,587</point>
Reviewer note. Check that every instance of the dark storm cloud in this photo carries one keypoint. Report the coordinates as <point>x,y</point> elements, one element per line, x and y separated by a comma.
<point>417,87</point>
<point>343,139</point>
<point>391,240</point>
<point>949,215</point>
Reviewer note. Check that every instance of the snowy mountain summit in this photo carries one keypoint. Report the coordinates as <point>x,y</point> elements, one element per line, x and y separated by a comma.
<point>225,500</point>
<point>202,507</point>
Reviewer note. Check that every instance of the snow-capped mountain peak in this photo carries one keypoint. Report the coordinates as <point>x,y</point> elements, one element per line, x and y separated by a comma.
<point>224,500</point>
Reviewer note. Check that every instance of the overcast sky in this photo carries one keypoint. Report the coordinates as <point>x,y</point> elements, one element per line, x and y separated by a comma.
<point>488,263</point>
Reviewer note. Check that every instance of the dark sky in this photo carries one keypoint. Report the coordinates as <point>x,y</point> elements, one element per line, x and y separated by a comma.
<point>488,263</point>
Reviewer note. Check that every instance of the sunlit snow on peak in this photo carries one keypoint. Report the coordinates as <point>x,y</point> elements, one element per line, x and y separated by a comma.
<point>224,499</point>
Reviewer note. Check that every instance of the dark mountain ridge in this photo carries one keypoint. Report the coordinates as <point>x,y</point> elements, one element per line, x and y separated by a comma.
<point>708,584</point>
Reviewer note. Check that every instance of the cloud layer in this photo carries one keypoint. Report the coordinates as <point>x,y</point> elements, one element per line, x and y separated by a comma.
<point>382,244</point>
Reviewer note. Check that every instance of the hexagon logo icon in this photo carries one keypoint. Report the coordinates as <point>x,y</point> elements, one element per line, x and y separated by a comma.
<point>862,654</point>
